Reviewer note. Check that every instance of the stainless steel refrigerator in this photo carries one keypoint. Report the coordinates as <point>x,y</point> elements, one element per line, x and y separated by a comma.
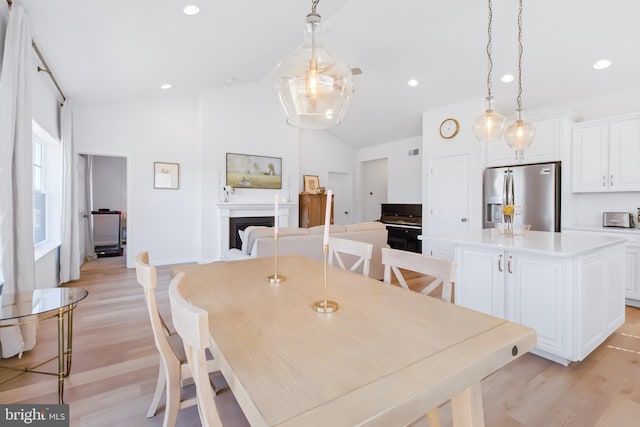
<point>533,189</point>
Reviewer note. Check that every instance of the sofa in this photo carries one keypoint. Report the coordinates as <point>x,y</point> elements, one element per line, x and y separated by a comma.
<point>257,241</point>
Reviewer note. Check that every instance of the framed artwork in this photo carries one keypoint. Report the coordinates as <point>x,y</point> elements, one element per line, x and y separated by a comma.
<point>166,175</point>
<point>249,171</point>
<point>311,183</point>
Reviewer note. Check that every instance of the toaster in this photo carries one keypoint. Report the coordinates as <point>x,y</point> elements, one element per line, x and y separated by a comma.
<point>618,219</point>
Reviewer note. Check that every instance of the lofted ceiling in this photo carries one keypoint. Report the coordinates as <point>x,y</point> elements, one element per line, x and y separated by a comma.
<point>105,52</point>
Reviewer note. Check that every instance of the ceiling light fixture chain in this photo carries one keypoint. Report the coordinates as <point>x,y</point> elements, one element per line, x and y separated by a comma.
<point>489,49</point>
<point>314,5</point>
<point>519,98</point>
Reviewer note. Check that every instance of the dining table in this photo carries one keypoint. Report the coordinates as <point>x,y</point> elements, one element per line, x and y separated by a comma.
<point>386,357</point>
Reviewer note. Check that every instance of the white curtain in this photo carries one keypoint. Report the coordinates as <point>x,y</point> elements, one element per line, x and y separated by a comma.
<point>70,247</point>
<point>16,176</point>
<point>89,252</point>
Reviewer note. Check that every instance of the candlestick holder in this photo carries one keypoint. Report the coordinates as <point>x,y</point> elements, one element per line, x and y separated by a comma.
<point>324,305</point>
<point>275,278</point>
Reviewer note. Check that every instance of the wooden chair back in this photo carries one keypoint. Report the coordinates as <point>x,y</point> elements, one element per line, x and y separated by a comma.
<point>360,250</point>
<point>192,324</point>
<point>443,270</point>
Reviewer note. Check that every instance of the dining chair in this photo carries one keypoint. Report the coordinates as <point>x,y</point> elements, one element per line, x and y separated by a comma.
<point>173,370</point>
<point>441,270</point>
<point>361,250</point>
<point>192,324</point>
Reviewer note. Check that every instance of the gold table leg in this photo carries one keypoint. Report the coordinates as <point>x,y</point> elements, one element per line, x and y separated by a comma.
<point>61,352</point>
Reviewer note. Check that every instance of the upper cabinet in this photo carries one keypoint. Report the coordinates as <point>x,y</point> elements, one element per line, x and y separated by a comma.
<point>605,155</point>
<point>550,129</point>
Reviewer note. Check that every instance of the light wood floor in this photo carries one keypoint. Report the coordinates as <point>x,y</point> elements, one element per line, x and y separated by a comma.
<point>115,367</point>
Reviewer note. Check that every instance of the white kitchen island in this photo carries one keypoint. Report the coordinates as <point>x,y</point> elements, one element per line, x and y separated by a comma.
<point>569,288</point>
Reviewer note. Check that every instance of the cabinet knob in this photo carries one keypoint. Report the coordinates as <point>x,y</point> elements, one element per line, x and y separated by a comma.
<point>604,180</point>
<point>463,219</point>
<point>611,181</point>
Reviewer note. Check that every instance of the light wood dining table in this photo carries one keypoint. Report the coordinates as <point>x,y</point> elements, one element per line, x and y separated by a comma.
<point>385,358</point>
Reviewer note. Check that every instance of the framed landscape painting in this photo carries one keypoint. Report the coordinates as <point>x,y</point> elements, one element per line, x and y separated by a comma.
<point>249,171</point>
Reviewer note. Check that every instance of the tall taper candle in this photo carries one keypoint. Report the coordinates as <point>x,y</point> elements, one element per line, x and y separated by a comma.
<point>275,216</point>
<point>327,219</point>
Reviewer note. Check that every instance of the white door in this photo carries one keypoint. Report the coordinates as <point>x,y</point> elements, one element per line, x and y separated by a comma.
<point>449,190</point>
<point>374,188</point>
<point>342,186</point>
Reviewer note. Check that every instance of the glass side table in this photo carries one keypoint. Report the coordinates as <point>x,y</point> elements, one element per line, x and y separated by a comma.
<point>22,308</point>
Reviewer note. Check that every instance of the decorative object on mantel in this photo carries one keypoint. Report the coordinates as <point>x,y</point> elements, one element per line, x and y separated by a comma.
<point>275,278</point>
<point>251,171</point>
<point>520,134</point>
<point>325,305</point>
<point>166,175</point>
<point>311,184</point>
<point>313,84</point>
<point>228,190</point>
<point>489,127</point>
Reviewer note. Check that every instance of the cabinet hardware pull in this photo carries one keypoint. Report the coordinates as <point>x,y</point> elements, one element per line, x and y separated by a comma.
<point>611,181</point>
<point>500,263</point>
<point>509,264</point>
<point>604,180</point>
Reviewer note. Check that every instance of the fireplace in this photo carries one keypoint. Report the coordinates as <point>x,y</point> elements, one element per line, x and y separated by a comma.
<point>227,211</point>
<point>240,223</point>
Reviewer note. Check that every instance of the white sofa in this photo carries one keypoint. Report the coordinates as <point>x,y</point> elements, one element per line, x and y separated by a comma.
<point>258,242</point>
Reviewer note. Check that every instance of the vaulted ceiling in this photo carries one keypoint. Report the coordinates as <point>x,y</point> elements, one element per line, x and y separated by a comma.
<point>113,52</point>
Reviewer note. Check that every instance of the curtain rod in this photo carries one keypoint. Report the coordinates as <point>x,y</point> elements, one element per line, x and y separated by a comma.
<point>46,68</point>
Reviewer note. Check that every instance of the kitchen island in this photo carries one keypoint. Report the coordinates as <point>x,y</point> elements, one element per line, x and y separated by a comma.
<point>569,288</point>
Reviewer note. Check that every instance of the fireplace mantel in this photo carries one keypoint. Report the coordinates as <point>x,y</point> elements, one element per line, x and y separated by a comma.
<point>226,210</point>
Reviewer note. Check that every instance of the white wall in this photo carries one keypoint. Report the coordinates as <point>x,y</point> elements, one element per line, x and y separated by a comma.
<point>405,181</point>
<point>244,119</point>
<point>110,183</point>
<point>163,222</point>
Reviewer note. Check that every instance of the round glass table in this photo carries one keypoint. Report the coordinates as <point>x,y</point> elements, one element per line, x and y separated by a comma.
<point>23,308</point>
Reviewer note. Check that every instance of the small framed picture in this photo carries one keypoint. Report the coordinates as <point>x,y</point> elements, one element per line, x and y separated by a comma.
<point>166,175</point>
<point>311,183</point>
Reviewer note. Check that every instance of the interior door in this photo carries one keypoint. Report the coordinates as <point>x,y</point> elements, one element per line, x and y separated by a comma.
<point>342,186</point>
<point>374,188</point>
<point>449,189</point>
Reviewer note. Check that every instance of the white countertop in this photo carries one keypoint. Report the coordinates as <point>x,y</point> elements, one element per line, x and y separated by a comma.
<point>541,242</point>
<point>599,228</point>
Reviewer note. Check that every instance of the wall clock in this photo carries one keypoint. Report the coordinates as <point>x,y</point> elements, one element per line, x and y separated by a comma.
<point>449,128</point>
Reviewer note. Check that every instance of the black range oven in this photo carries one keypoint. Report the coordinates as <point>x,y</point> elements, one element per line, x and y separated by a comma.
<point>404,225</point>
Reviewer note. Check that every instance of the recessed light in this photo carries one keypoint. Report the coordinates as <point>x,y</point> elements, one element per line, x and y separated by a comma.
<point>191,9</point>
<point>165,86</point>
<point>602,64</point>
<point>412,83</point>
<point>507,78</point>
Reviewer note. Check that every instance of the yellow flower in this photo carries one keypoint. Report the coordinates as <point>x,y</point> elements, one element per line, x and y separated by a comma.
<point>508,210</point>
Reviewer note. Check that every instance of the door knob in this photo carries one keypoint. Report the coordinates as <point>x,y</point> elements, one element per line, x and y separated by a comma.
<point>463,219</point>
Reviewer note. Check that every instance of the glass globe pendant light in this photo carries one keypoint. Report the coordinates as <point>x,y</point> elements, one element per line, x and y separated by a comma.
<point>489,127</point>
<point>520,134</point>
<point>313,84</point>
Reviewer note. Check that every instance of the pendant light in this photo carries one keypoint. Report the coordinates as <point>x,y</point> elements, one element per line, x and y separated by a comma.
<point>520,134</point>
<point>313,84</point>
<point>489,127</point>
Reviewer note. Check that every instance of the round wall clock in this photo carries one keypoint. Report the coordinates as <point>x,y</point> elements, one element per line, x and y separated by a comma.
<point>449,128</point>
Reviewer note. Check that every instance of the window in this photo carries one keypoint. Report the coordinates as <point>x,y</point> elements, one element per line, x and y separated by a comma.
<point>47,191</point>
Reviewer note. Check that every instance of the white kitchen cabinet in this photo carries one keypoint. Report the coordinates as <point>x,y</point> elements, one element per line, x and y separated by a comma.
<point>532,290</point>
<point>605,156</point>
<point>568,287</point>
<point>632,274</point>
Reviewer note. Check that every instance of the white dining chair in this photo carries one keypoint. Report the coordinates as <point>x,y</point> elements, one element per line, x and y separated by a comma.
<point>441,269</point>
<point>360,250</point>
<point>192,324</point>
<point>173,370</point>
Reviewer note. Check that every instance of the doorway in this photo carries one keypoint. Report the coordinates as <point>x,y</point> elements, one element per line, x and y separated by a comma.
<point>102,205</point>
<point>374,188</point>
<point>342,186</point>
